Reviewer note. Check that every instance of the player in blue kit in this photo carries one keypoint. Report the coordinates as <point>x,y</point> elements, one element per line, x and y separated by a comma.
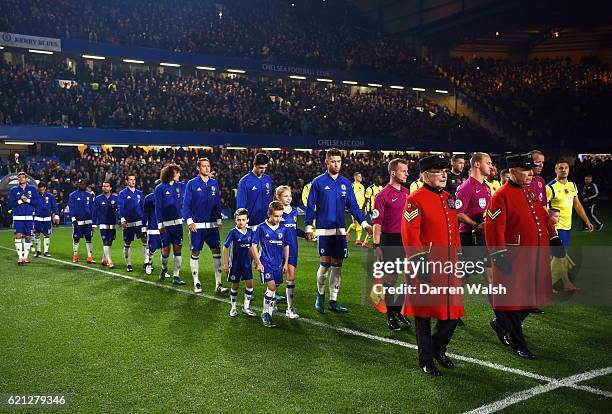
<point>168,205</point>
<point>106,221</point>
<point>289,221</point>
<point>82,215</point>
<point>150,226</point>
<point>130,209</point>
<point>272,260</point>
<point>23,199</point>
<point>330,194</point>
<point>46,214</point>
<point>255,191</point>
<point>202,212</point>
<point>239,267</point>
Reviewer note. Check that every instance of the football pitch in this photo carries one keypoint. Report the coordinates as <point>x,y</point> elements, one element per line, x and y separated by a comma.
<point>111,341</point>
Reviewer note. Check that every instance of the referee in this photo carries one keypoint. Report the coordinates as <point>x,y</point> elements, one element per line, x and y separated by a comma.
<point>387,236</point>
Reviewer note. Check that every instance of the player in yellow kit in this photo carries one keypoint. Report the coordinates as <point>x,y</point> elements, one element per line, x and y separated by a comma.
<point>416,184</point>
<point>370,194</point>
<point>562,194</point>
<point>359,191</point>
<point>492,180</point>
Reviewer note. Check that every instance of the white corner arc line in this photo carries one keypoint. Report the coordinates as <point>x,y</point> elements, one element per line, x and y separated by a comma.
<point>342,329</point>
<point>541,389</point>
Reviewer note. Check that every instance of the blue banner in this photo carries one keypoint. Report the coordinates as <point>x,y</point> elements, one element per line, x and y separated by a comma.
<point>82,135</point>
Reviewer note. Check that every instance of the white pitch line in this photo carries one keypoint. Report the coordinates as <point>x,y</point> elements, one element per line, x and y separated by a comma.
<point>540,389</point>
<point>342,329</point>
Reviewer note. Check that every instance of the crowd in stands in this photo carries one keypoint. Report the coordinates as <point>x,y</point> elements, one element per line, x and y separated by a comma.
<point>327,34</point>
<point>204,102</point>
<point>557,100</point>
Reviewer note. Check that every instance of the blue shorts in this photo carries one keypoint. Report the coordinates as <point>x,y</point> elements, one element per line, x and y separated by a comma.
<point>79,232</point>
<point>292,260</point>
<point>564,235</point>
<point>108,236</point>
<point>23,227</point>
<point>240,272</point>
<point>271,273</point>
<point>172,235</point>
<point>130,233</point>
<point>210,236</point>
<point>332,246</point>
<point>44,227</point>
<point>154,242</point>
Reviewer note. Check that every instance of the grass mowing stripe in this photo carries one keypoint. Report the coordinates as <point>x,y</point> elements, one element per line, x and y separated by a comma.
<point>348,331</point>
<point>540,389</point>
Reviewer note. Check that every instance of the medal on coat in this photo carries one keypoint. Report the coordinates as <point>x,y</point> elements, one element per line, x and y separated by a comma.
<point>533,198</point>
<point>451,203</point>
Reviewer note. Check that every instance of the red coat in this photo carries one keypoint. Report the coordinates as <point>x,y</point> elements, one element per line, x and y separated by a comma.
<point>430,225</point>
<point>517,222</point>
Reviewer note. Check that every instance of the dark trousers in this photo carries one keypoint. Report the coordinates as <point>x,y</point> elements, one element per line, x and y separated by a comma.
<point>391,244</point>
<point>512,322</point>
<point>436,343</point>
<point>590,211</point>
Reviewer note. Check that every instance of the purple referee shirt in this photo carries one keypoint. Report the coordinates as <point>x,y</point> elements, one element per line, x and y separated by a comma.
<point>389,208</point>
<point>538,187</point>
<point>473,198</point>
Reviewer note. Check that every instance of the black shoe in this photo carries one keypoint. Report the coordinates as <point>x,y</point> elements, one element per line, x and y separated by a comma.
<point>537,311</point>
<point>444,361</point>
<point>460,322</point>
<point>47,254</point>
<point>37,254</point>
<point>430,369</point>
<point>501,334</point>
<point>392,322</point>
<point>403,319</point>
<point>524,353</point>
<point>129,268</point>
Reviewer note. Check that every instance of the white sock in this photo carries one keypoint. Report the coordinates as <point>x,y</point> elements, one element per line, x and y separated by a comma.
<point>145,253</point>
<point>127,253</point>
<point>195,269</point>
<point>321,278</point>
<point>26,248</point>
<point>334,282</point>
<point>269,301</point>
<point>37,238</point>
<point>233,297</point>
<point>289,292</point>
<point>75,247</point>
<point>89,249</point>
<point>107,253</point>
<point>248,296</point>
<point>177,265</point>
<point>46,243</point>
<point>217,268</point>
<point>19,248</point>
<point>164,261</point>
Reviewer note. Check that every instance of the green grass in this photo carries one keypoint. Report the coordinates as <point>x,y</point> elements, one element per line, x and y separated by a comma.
<point>115,345</point>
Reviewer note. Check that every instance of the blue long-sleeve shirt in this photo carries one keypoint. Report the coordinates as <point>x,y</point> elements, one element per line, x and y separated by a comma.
<point>106,210</point>
<point>47,206</point>
<point>202,204</point>
<point>168,204</point>
<point>130,206</point>
<point>327,202</point>
<point>150,220</point>
<point>289,222</point>
<point>81,207</point>
<point>22,208</point>
<point>254,194</point>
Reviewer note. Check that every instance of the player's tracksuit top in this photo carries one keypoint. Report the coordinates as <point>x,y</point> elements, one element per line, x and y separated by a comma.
<point>106,211</point>
<point>202,204</point>
<point>23,210</point>
<point>130,207</point>
<point>47,205</point>
<point>81,206</point>
<point>168,204</point>
<point>149,218</point>
<point>331,197</point>
<point>254,194</point>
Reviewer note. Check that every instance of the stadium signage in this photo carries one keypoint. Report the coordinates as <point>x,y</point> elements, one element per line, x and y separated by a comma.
<point>342,143</point>
<point>34,42</point>
<point>294,70</point>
